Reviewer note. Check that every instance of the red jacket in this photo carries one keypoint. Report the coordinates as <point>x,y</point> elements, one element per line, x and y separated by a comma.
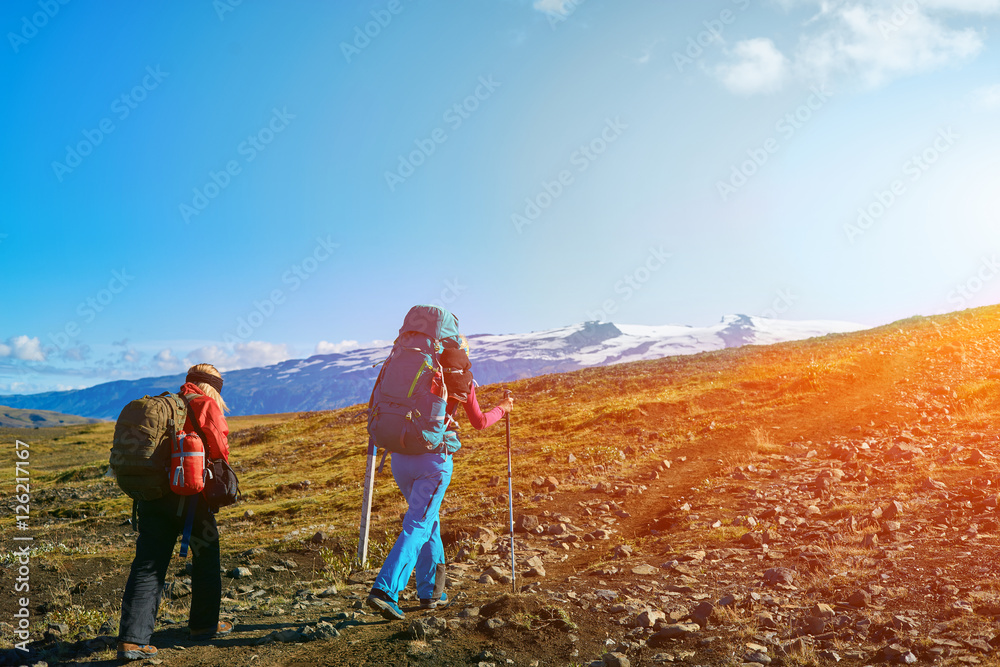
<point>477,418</point>
<point>211,420</point>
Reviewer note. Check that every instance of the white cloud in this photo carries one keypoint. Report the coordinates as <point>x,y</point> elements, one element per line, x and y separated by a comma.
<point>78,353</point>
<point>872,42</point>
<point>244,355</point>
<point>986,98</point>
<point>970,6</point>
<point>131,356</point>
<point>757,66</point>
<point>166,361</point>
<point>561,7</point>
<point>323,347</point>
<point>23,348</point>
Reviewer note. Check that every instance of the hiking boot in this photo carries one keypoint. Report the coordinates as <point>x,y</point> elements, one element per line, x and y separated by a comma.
<point>380,601</point>
<point>128,651</point>
<point>428,603</point>
<point>221,630</point>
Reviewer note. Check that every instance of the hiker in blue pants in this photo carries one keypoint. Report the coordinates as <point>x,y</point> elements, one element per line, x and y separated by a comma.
<point>423,480</point>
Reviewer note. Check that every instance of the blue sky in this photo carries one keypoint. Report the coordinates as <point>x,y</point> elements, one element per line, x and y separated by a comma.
<point>246,183</point>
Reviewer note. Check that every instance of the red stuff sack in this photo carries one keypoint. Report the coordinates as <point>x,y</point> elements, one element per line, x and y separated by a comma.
<point>187,464</point>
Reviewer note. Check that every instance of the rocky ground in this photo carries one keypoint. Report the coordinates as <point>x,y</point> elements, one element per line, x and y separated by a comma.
<point>856,527</point>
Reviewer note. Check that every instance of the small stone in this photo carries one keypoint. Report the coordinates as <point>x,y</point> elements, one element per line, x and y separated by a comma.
<point>616,660</point>
<point>325,630</point>
<point>892,510</point>
<point>418,631</point>
<point>648,618</point>
<point>288,636</point>
<point>702,613</point>
<point>757,658</point>
<point>860,599</point>
<point>897,653</point>
<point>623,551</point>
<point>494,624</point>
<point>526,523</point>
<point>821,610</point>
<point>779,575</point>
<point>240,573</point>
<point>645,570</point>
<point>674,631</point>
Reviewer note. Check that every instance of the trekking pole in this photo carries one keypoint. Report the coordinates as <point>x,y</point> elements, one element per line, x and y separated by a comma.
<point>510,500</point>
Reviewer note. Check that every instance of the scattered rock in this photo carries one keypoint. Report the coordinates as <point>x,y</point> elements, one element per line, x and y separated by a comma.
<point>779,576</point>
<point>649,618</point>
<point>664,636</point>
<point>860,599</point>
<point>898,654</point>
<point>616,660</point>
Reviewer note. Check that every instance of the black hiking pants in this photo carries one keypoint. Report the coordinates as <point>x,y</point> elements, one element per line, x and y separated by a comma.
<point>160,524</point>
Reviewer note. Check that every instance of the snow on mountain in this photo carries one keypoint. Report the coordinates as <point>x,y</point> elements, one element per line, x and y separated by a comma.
<point>331,381</point>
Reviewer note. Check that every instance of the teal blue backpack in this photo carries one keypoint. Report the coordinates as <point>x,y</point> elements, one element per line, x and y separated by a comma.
<point>407,409</point>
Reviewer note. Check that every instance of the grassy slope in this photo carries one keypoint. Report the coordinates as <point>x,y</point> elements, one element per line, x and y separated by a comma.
<point>617,421</point>
<point>18,418</point>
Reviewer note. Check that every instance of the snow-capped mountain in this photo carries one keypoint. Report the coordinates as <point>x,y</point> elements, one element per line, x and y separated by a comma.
<point>329,381</point>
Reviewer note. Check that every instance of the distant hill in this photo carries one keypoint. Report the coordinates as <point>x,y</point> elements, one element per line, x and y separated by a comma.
<point>329,381</point>
<point>20,418</point>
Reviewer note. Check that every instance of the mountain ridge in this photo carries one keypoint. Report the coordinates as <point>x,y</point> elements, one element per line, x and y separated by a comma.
<point>330,381</point>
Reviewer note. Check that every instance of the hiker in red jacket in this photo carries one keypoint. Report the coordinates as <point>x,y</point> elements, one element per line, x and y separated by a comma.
<point>161,521</point>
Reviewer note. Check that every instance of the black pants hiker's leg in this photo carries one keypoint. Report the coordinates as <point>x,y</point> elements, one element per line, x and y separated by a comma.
<point>206,581</point>
<point>158,532</point>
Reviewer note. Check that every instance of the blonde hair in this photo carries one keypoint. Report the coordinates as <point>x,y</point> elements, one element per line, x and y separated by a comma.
<point>207,388</point>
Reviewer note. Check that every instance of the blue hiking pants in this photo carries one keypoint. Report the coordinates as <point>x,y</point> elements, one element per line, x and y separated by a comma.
<point>423,479</point>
